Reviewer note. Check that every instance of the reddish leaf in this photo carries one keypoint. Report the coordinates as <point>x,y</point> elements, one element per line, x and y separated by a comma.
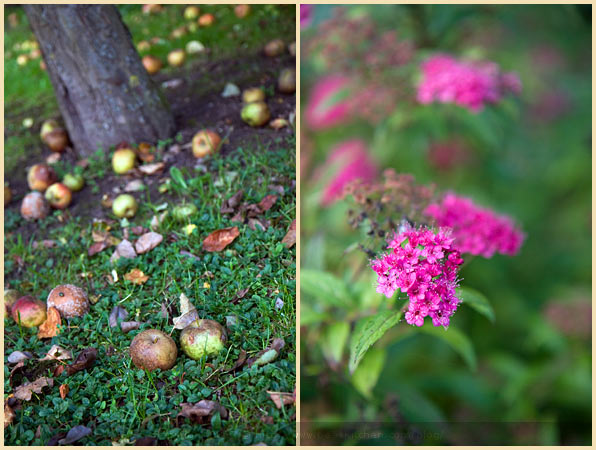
<point>9,415</point>
<point>97,247</point>
<point>136,276</point>
<point>49,328</point>
<point>220,239</point>
<point>281,398</point>
<point>290,238</point>
<point>148,242</point>
<point>85,360</point>
<point>229,206</point>
<point>64,391</point>
<point>267,202</point>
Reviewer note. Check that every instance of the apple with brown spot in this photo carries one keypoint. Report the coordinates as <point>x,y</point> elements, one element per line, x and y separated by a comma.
<point>56,139</point>
<point>69,300</point>
<point>40,177</point>
<point>153,349</point>
<point>286,82</point>
<point>256,114</point>
<point>28,311</point>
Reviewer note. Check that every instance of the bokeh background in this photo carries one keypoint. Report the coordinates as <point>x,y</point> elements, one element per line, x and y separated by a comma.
<point>529,157</point>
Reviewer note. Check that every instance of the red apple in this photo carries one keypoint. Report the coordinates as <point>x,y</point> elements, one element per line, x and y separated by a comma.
<point>152,64</point>
<point>40,176</point>
<point>34,206</point>
<point>204,143</point>
<point>28,311</point>
<point>123,160</point>
<point>69,300</point>
<point>286,83</point>
<point>253,95</point>
<point>176,57</point>
<point>152,9</point>
<point>275,48</point>
<point>242,11</point>
<point>206,20</point>
<point>47,127</point>
<point>191,12</point>
<point>153,349</point>
<point>57,140</point>
<point>125,205</point>
<point>59,196</point>
<point>256,114</point>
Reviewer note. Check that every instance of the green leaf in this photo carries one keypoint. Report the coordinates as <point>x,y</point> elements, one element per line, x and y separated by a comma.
<point>178,177</point>
<point>367,374</point>
<point>324,287</point>
<point>367,332</point>
<point>456,339</point>
<point>476,301</point>
<point>333,340</point>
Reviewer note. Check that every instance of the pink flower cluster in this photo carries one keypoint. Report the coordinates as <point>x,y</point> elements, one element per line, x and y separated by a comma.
<point>329,102</point>
<point>467,84</point>
<point>305,15</point>
<point>424,265</point>
<point>476,230</point>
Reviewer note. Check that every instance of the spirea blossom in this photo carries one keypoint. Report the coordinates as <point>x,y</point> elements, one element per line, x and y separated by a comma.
<point>305,15</point>
<point>476,230</point>
<point>423,264</point>
<point>329,102</point>
<point>467,84</point>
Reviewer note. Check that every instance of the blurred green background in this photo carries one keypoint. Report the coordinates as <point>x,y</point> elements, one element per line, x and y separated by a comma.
<point>528,157</point>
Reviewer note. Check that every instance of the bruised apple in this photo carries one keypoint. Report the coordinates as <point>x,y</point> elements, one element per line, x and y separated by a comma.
<point>153,349</point>
<point>58,196</point>
<point>69,300</point>
<point>206,20</point>
<point>125,205</point>
<point>176,57</point>
<point>203,337</point>
<point>275,48</point>
<point>40,177</point>
<point>204,143</point>
<point>253,95</point>
<point>286,82</point>
<point>123,160</point>
<point>256,114</point>
<point>28,311</point>
<point>34,206</point>
<point>152,64</point>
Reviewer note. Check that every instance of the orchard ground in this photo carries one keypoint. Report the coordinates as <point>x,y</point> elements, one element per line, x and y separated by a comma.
<point>249,286</point>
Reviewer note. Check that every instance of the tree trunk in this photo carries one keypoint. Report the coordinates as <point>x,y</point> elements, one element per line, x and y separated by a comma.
<point>104,93</point>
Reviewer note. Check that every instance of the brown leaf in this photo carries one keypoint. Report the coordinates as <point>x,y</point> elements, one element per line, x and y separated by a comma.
<point>82,163</point>
<point>64,391</point>
<point>148,242</point>
<point>97,247</point>
<point>9,414</point>
<point>151,169</point>
<point>290,238</point>
<point>129,326</point>
<point>261,223</point>
<point>201,412</point>
<point>278,123</point>
<point>84,360</point>
<point>229,205</point>
<point>240,295</point>
<point>267,202</point>
<point>57,353</point>
<point>181,322</point>
<point>239,362</point>
<point>24,391</point>
<point>281,398</point>
<point>123,250</point>
<point>190,255</point>
<point>220,239</point>
<point>136,276</point>
<point>117,313</point>
<point>49,328</point>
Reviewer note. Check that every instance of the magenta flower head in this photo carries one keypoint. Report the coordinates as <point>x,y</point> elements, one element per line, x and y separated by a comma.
<point>305,15</point>
<point>476,230</point>
<point>471,85</point>
<point>351,161</point>
<point>329,103</point>
<point>422,264</point>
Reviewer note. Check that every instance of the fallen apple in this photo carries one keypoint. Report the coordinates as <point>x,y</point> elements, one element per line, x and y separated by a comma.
<point>203,337</point>
<point>176,57</point>
<point>47,127</point>
<point>152,8</point>
<point>178,32</point>
<point>69,300</point>
<point>35,53</point>
<point>152,64</point>
<point>192,27</point>
<point>40,177</point>
<point>28,311</point>
<point>193,47</point>
<point>7,195</point>
<point>34,206</point>
<point>255,114</point>
<point>286,83</point>
<point>191,12</point>
<point>153,349</point>
<point>123,160</point>
<point>22,60</point>
<point>253,95</point>
<point>10,297</point>
<point>56,139</point>
<point>204,143</point>
<point>74,181</point>
<point>184,211</point>
<point>206,20</point>
<point>242,11</point>
<point>125,205</point>
<point>143,46</point>
<point>292,48</point>
<point>275,48</point>
<point>58,196</point>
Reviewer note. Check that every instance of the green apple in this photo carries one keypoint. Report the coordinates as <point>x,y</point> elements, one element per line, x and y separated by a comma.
<point>203,337</point>
<point>123,160</point>
<point>125,205</point>
<point>74,181</point>
<point>256,114</point>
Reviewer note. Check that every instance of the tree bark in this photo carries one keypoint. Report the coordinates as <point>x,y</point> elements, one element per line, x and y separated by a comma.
<point>104,93</point>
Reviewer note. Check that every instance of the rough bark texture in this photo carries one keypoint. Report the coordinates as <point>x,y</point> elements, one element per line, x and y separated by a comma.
<point>104,92</point>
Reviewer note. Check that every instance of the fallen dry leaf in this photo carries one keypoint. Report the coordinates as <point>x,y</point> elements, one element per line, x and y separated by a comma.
<point>117,313</point>
<point>151,169</point>
<point>84,360</point>
<point>281,398</point>
<point>64,391</point>
<point>134,186</point>
<point>49,328</point>
<point>240,295</point>
<point>201,412</point>
<point>74,434</point>
<point>24,391</point>
<point>253,223</point>
<point>278,123</point>
<point>267,202</point>
<point>229,205</point>
<point>97,247</point>
<point>148,242</point>
<point>290,238</point>
<point>157,220</point>
<point>220,239</point>
<point>269,354</point>
<point>9,414</point>
<point>136,276</point>
<point>239,362</point>
<point>18,356</point>
<point>129,326</point>
<point>82,163</point>
<point>123,250</point>
<point>57,353</point>
<point>188,314</point>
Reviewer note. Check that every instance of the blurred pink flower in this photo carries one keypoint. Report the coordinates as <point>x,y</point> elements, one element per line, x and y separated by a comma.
<point>447,154</point>
<point>329,104</point>
<point>476,230</point>
<point>305,15</point>
<point>467,84</point>
<point>353,162</point>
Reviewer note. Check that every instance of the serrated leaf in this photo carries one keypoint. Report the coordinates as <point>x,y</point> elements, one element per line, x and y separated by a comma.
<point>177,176</point>
<point>367,374</point>
<point>476,301</point>
<point>333,341</point>
<point>367,332</point>
<point>324,287</point>
<point>456,340</point>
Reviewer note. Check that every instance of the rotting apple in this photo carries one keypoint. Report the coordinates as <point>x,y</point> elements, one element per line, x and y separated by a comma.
<point>153,349</point>
<point>203,337</point>
<point>123,160</point>
<point>274,48</point>
<point>204,143</point>
<point>74,181</point>
<point>69,300</point>
<point>256,114</point>
<point>34,206</point>
<point>40,177</point>
<point>286,83</point>
<point>28,311</point>
<point>125,205</point>
<point>206,20</point>
<point>56,139</point>
<point>176,57</point>
<point>152,64</point>
<point>191,12</point>
<point>253,95</point>
<point>58,196</point>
